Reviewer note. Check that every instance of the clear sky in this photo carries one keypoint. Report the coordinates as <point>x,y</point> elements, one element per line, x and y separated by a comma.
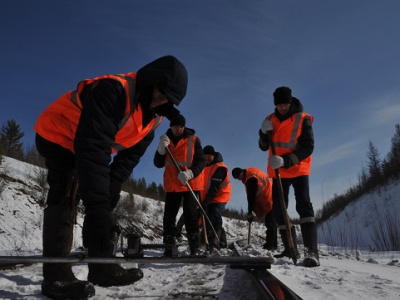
<point>340,58</point>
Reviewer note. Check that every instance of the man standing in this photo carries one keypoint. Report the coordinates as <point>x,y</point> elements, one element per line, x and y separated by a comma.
<point>293,138</point>
<point>77,135</point>
<point>259,199</point>
<point>187,151</point>
<point>215,195</point>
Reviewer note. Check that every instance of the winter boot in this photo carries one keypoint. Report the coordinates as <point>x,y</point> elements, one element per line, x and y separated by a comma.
<point>59,282</point>
<point>107,275</point>
<point>222,238</point>
<point>310,240</point>
<point>194,244</point>
<point>286,252</point>
<point>271,241</point>
<point>169,242</point>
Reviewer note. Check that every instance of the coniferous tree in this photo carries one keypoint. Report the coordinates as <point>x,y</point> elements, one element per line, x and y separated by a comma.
<point>10,140</point>
<point>374,165</point>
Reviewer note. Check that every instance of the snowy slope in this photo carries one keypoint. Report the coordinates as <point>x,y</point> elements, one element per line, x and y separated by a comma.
<point>341,275</point>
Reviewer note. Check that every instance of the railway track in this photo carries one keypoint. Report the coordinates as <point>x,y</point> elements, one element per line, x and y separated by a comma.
<point>266,284</point>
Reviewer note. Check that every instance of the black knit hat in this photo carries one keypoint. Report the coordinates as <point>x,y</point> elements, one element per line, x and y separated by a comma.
<point>208,150</point>
<point>178,120</point>
<point>236,172</point>
<point>282,95</point>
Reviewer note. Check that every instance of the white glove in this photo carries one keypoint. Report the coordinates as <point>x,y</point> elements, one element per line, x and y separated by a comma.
<point>164,142</point>
<point>266,126</point>
<point>276,161</point>
<point>185,176</point>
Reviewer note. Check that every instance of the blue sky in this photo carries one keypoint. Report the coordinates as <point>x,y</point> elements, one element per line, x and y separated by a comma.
<point>341,59</point>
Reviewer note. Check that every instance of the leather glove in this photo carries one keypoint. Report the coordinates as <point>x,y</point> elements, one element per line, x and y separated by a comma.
<point>204,204</point>
<point>96,232</point>
<point>276,161</point>
<point>250,217</point>
<point>115,190</point>
<point>266,126</point>
<point>164,143</point>
<point>185,176</point>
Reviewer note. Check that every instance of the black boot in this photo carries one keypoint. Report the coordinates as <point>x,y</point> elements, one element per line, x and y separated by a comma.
<point>169,241</point>
<point>310,240</point>
<point>194,244</point>
<point>271,241</point>
<point>222,238</point>
<point>286,252</point>
<point>106,275</point>
<point>59,282</point>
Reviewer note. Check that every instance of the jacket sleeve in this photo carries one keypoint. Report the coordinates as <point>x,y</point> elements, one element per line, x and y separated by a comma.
<point>263,142</point>
<point>199,162</point>
<point>251,188</point>
<point>126,160</point>
<point>103,107</point>
<point>216,180</point>
<point>159,160</point>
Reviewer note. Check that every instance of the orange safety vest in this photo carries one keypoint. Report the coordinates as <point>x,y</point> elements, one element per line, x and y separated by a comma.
<point>224,193</point>
<point>285,138</point>
<point>59,121</point>
<point>263,203</point>
<point>183,153</point>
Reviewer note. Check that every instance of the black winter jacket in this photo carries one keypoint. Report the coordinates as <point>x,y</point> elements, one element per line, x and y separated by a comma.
<point>103,108</point>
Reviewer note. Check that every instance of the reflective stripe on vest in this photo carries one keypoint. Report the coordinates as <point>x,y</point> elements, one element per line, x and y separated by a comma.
<point>188,162</point>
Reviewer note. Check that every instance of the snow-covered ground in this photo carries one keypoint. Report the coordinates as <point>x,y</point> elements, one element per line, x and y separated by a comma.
<point>344,272</point>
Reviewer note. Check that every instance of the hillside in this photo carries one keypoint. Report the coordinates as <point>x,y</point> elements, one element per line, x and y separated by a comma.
<point>372,222</point>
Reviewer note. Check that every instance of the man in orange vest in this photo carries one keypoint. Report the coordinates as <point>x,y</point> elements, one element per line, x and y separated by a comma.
<point>293,138</point>
<point>215,195</point>
<point>77,135</point>
<point>187,151</point>
<point>259,200</point>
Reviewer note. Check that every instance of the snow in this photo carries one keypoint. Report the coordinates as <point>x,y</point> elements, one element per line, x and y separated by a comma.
<point>345,273</point>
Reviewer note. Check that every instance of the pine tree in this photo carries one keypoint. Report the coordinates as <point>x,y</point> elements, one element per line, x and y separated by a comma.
<point>10,140</point>
<point>374,165</point>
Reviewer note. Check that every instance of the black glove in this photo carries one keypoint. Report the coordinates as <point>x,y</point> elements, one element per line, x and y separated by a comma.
<point>96,230</point>
<point>250,217</point>
<point>115,190</point>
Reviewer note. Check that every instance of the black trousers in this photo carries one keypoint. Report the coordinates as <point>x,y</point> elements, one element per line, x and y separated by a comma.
<point>173,202</point>
<point>301,193</point>
<point>60,163</point>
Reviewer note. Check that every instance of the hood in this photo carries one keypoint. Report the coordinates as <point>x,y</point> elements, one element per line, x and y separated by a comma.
<point>218,158</point>
<point>166,73</point>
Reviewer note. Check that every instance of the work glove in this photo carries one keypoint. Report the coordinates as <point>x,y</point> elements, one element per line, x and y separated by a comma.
<point>96,232</point>
<point>204,204</point>
<point>276,161</point>
<point>164,143</point>
<point>251,217</point>
<point>185,176</point>
<point>266,126</point>
<point>115,190</point>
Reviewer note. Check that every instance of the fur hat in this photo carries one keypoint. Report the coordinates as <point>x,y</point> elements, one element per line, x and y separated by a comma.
<point>208,150</point>
<point>282,95</point>
<point>178,120</point>
<point>236,172</point>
